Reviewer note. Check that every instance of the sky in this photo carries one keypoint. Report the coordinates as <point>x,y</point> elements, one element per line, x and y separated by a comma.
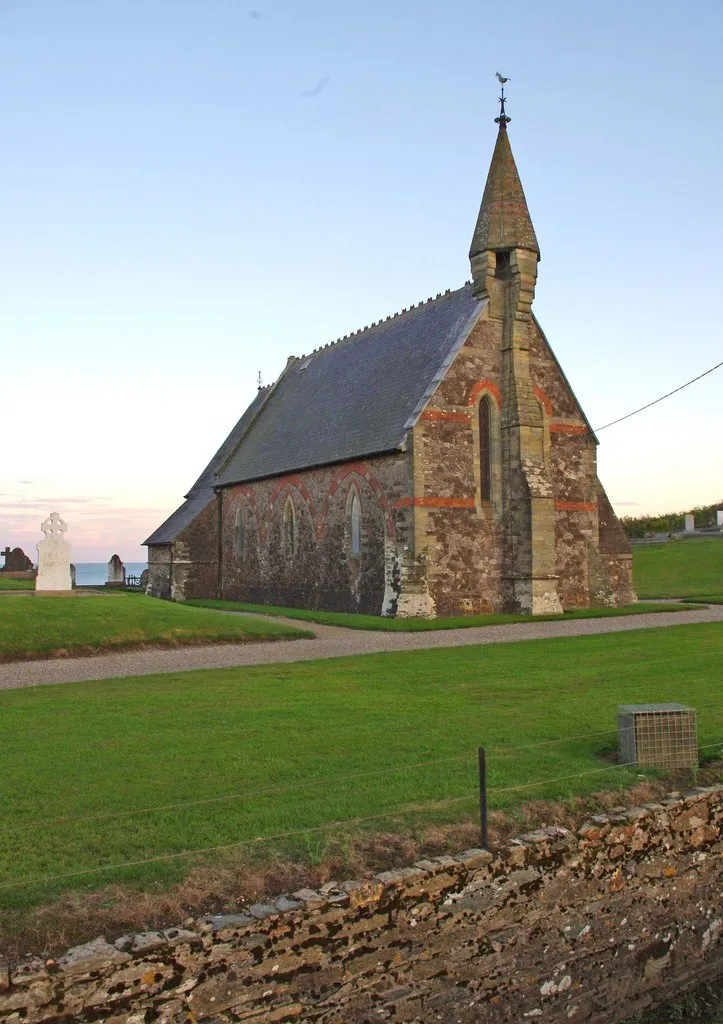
<point>193,190</point>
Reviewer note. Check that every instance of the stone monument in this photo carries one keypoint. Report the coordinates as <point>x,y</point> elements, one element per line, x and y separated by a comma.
<point>53,556</point>
<point>116,572</point>
<point>719,517</point>
<point>689,523</point>
<point>16,561</point>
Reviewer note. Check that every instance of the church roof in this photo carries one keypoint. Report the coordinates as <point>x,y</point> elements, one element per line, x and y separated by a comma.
<point>356,397</point>
<point>203,490</point>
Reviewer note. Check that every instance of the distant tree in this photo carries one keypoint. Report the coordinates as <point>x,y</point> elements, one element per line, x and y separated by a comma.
<point>670,522</point>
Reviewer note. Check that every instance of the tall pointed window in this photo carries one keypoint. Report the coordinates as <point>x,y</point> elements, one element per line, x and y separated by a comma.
<point>289,535</point>
<point>239,533</point>
<point>485,459</point>
<point>355,523</point>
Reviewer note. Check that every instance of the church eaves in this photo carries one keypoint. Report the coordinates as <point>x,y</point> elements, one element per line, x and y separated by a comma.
<point>504,221</point>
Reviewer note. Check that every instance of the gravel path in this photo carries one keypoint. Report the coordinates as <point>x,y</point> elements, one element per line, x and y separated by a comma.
<point>330,642</point>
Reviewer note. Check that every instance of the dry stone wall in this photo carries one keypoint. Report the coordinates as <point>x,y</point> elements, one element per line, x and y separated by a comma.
<point>557,926</point>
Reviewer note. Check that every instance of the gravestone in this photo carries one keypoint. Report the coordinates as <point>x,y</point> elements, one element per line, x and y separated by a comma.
<point>116,572</point>
<point>689,523</point>
<point>72,575</point>
<point>719,517</point>
<point>16,560</point>
<point>53,556</point>
<point>144,580</point>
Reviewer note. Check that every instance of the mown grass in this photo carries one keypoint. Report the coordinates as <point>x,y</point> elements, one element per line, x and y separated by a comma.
<point>353,620</point>
<point>297,747</point>
<point>37,626</point>
<point>8,584</point>
<point>684,568</point>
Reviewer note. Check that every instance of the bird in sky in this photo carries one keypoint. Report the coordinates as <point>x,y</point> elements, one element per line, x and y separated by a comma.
<point>311,93</point>
<point>501,78</point>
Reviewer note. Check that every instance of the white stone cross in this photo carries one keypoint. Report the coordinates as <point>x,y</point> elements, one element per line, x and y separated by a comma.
<point>53,556</point>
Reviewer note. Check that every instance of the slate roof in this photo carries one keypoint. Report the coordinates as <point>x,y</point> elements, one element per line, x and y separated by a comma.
<point>358,396</point>
<point>202,492</point>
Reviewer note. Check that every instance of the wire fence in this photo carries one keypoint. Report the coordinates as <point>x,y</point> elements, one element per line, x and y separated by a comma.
<point>309,784</point>
<point>413,808</point>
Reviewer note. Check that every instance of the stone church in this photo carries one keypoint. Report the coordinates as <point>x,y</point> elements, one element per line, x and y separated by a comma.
<point>435,463</point>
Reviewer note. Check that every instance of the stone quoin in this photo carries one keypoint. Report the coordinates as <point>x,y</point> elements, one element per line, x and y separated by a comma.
<point>434,463</point>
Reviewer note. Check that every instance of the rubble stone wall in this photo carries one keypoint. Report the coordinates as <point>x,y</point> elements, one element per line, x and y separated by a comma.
<point>593,926</point>
<point>319,569</point>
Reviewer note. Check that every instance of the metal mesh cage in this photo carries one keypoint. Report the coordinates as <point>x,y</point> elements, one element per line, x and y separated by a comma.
<point>657,735</point>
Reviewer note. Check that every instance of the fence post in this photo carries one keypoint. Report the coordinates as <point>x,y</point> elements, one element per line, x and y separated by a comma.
<point>483,798</point>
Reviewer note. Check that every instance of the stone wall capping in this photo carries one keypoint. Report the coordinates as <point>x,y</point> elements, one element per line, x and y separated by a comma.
<point>309,896</point>
<point>412,874</point>
<point>91,956</point>
<point>654,807</point>
<point>284,905</point>
<point>474,858</point>
<point>673,801</point>
<point>430,866</point>
<point>262,910</point>
<point>28,972</point>
<point>143,942</point>
<point>225,922</point>
<point>445,863</point>
<point>390,879</point>
<point>637,813</point>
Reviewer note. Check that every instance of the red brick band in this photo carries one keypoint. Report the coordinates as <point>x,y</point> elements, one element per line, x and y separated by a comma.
<point>357,469</point>
<point>546,403</point>
<point>568,428</point>
<point>434,503</point>
<point>485,385</point>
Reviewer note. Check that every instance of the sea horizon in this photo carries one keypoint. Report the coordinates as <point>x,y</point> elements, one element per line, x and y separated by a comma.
<point>95,574</point>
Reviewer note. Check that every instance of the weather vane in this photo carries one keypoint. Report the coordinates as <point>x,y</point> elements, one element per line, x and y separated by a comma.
<point>503,120</point>
<point>260,381</point>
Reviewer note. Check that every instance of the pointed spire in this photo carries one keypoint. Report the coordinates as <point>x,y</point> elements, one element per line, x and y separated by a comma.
<point>504,221</point>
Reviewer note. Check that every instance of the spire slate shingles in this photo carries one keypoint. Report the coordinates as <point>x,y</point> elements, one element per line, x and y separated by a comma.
<point>504,220</point>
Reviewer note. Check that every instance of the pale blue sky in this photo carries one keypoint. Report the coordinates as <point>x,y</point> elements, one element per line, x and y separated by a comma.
<point>176,215</point>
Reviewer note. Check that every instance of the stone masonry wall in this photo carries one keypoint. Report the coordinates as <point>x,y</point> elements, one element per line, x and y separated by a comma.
<point>589,926</point>
<point>460,540</point>
<point>187,568</point>
<point>323,572</point>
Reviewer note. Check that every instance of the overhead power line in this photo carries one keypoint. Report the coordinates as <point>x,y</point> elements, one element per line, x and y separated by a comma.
<point>661,399</point>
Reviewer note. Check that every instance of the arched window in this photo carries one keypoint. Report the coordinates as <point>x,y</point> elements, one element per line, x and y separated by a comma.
<point>289,528</point>
<point>239,533</point>
<point>355,523</point>
<point>485,455</point>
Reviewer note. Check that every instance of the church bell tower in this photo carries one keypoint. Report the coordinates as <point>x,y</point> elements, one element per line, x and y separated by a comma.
<point>503,257</point>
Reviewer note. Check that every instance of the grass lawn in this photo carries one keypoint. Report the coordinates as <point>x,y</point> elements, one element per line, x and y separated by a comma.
<point>298,746</point>
<point>7,584</point>
<point>353,620</point>
<point>684,568</point>
<point>37,626</point>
